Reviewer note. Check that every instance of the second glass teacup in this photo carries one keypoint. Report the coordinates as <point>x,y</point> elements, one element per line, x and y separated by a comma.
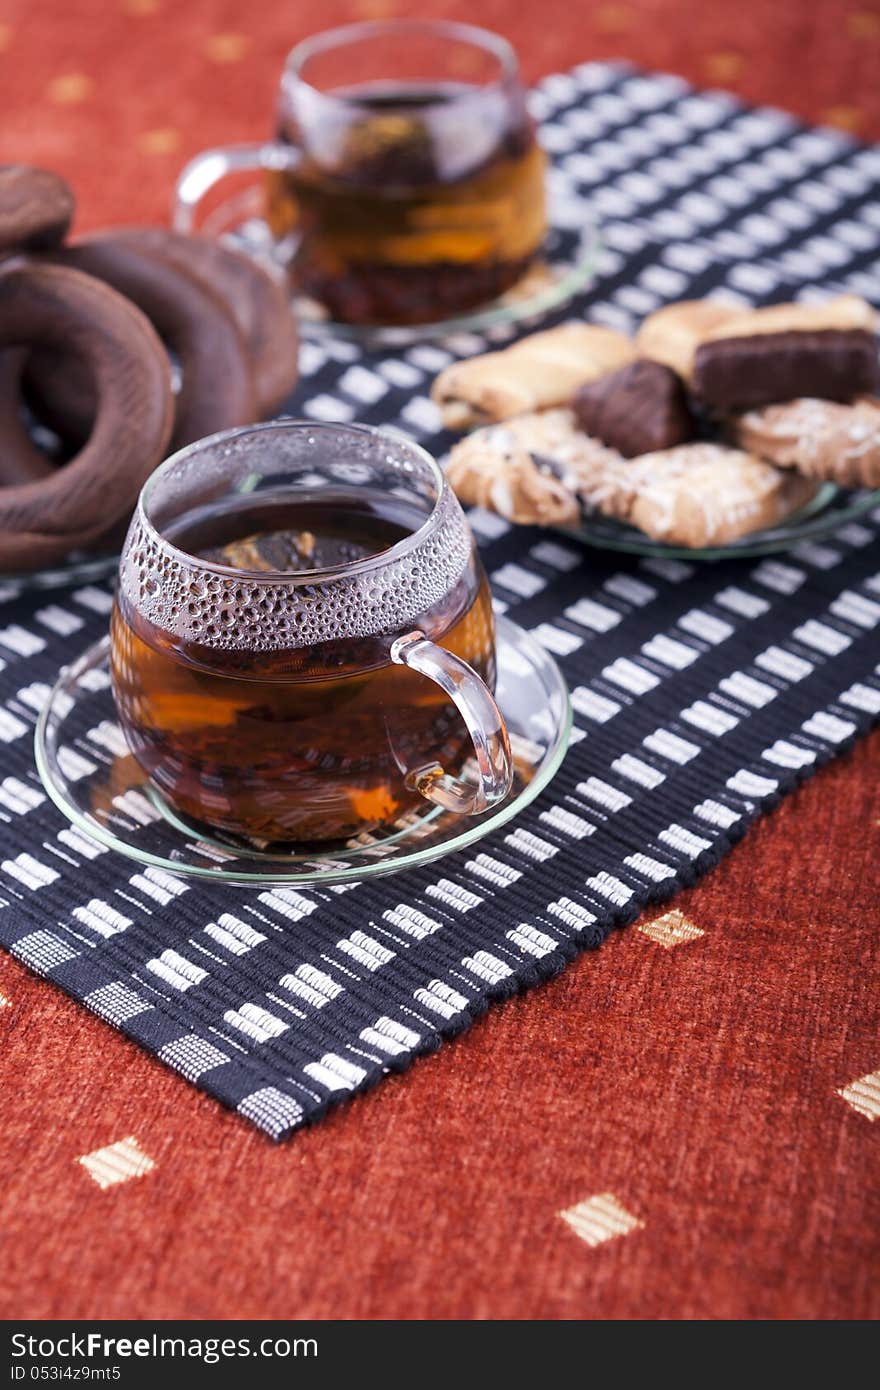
<point>303,640</point>
<point>406,182</point>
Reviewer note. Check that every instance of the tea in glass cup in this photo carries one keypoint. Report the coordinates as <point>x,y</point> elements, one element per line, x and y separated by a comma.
<point>303,640</point>
<point>406,171</point>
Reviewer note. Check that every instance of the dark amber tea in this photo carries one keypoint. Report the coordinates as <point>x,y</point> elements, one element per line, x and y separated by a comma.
<point>296,743</point>
<point>262,657</point>
<point>429,201</point>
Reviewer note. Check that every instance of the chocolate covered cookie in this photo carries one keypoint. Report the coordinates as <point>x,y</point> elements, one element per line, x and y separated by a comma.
<point>673,335</point>
<point>637,410</point>
<point>741,373</point>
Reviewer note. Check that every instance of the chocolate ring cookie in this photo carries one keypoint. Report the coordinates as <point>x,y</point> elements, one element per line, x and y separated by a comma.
<point>20,460</point>
<point>216,390</point>
<point>36,208</point>
<point>258,304</point>
<point>61,309</point>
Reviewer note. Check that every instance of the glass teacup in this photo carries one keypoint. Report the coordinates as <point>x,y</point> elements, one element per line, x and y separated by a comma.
<point>303,639</point>
<point>405,184</point>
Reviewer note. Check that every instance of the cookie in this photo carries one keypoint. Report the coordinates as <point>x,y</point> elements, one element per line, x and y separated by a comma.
<point>537,373</point>
<point>641,408</point>
<point>533,470</point>
<point>55,307</point>
<point>36,208</point>
<point>258,303</point>
<point>821,439</point>
<point>674,334</point>
<point>703,495</point>
<point>541,469</point>
<point>741,373</point>
<point>216,388</point>
<point>845,312</point>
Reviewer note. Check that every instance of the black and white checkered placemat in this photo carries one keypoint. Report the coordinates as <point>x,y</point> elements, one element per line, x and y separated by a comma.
<point>701,694</point>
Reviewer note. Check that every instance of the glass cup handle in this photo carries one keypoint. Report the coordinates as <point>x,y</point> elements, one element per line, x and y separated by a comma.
<point>484,722</point>
<point>207,169</point>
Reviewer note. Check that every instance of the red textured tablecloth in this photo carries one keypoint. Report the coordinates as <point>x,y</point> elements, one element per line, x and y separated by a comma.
<point>697,1096</point>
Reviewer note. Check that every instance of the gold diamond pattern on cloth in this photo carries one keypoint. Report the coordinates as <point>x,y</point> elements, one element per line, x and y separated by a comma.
<point>864,1095</point>
<point>600,1218</point>
<point>672,929</point>
<point>119,1162</point>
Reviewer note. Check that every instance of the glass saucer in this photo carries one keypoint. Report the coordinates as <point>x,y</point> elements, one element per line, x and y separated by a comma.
<point>89,773</point>
<point>831,508</point>
<point>567,264</point>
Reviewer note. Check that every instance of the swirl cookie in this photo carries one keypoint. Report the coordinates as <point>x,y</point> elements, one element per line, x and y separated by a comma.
<point>845,312</point>
<point>821,439</point>
<point>42,519</point>
<point>539,372</point>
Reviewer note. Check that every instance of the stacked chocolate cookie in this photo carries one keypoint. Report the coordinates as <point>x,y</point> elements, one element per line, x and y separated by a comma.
<point>92,336</point>
<point>712,423</point>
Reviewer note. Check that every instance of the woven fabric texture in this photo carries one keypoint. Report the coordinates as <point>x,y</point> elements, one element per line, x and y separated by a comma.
<point>701,694</point>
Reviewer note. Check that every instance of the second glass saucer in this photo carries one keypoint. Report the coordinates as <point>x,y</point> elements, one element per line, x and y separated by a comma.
<point>116,804</point>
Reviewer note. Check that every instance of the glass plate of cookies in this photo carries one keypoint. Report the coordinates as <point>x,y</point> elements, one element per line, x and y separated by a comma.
<point>717,431</point>
<point>565,267</point>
